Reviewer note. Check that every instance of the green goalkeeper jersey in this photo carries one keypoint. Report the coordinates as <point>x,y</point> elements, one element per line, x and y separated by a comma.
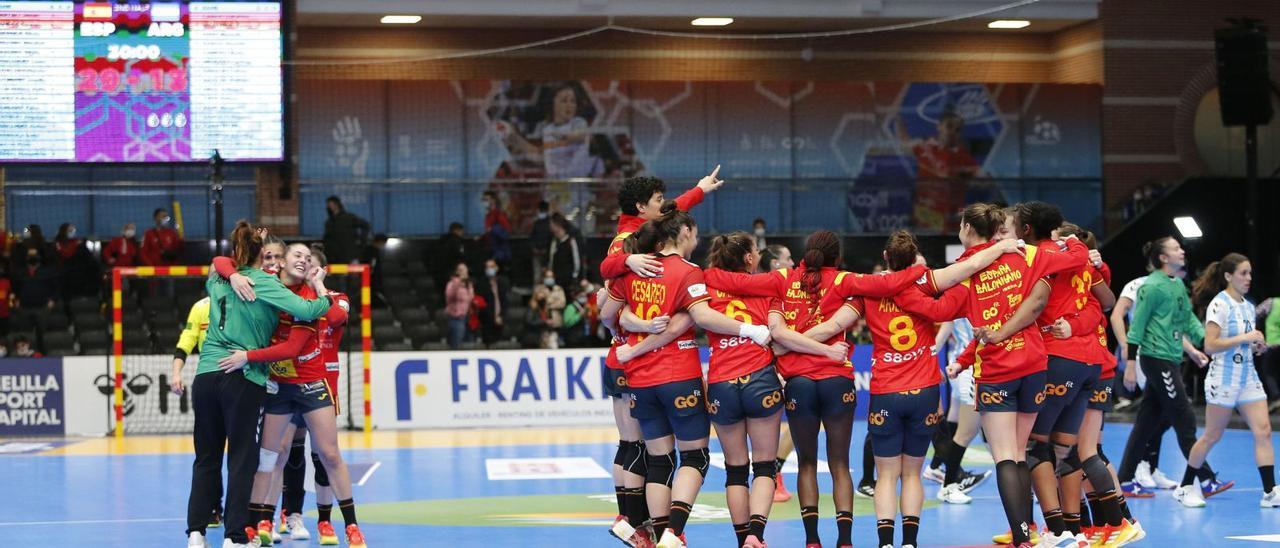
<point>235,324</point>
<point>1162,317</point>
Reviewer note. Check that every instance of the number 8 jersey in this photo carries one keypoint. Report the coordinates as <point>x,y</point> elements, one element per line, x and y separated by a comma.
<point>679,287</point>
<point>903,333</point>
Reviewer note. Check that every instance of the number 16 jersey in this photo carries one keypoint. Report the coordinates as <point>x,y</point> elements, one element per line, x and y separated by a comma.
<point>679,287</point>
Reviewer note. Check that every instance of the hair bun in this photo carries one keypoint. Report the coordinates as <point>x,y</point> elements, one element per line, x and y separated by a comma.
<point>668,207</point>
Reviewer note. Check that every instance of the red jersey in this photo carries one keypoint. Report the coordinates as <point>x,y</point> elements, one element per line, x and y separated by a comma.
<point>800,313</point>
<point>1070,292</point>
<point>679,287</point>
<point>330,326</point>
<point>1092,324</point>
<point>615,261</point>
<point>733,356</point>
<point>308,365</point>
<point>121,251</point>
<point>903,332</point>
<point>995,293</point>
<point>160,246</point>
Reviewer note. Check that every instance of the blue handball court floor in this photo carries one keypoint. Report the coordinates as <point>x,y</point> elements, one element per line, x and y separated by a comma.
<point>526,487</point>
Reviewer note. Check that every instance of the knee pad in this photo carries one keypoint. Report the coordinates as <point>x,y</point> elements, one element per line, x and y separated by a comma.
<point>697,459</point>
<point>662,469</point>
<point>1069,462</point>
<point>1038,453</point>
<point>1103,456</point>
<point>322,475</point>
<point>634,460</point>
<point>767,469</point>
<point>620,456</point>
<point>267,460</point>
<point>737,474</point>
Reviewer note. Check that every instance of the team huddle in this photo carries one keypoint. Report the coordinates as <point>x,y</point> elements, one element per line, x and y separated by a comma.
<point>1024,310</point>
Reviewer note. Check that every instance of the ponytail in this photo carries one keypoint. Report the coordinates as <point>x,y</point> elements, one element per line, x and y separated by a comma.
<point>729,251</point>
<point>246,244</point>
<point>1153,250</point>
<point>901,250</point>
<point>1214,279</point>
<point>821,249</point>
<point>986,219</point>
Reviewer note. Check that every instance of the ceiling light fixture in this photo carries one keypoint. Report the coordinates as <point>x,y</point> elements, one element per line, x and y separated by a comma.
<point>711,21</point>
<point>1188,227</point>
<point>400,19</point>
<point>1009,24</point>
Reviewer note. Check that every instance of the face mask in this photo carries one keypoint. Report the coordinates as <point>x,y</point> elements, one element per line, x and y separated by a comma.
<point>164,221</point>
<point>130,233</point>
<point>71,233</point>
<point>542,215</point>
<point>582,299</point>
<point>760,231</point>
<point>490,272</point>
<point>549,282</point>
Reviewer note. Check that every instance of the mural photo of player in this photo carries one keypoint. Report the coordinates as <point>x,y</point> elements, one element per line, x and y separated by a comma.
<point>551,131</point>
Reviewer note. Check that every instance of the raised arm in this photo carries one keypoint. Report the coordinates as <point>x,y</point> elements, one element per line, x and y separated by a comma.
<point>849,284</point>
<point>766,284</point>
<point>945,278</point>
<point>279,297</point>
<point>951,305</point>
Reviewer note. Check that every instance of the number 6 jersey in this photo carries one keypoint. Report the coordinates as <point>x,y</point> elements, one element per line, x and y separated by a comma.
<point>733,356</point>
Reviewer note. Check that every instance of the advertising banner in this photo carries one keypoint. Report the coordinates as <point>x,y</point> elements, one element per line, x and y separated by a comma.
<point>31,397</point>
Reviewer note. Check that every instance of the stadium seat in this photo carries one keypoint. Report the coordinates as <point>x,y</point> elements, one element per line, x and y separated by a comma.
<point>425,285</point>
<point>413,316</point>
<point>386,333</point>
<point>167,318</point>
<point>514,314</point>
<point>435,347</point>
<point>440,317</point>
<point>59,343</point>
<point>57,321</point>
<point>85,305</point>
<point>94,342</point>
<point>391,268</point>
<point>417,269</point>
<point>395,346</point>
<point>92,322</point>
<point>159,302</point>
<point>383,317</point>
<point>166,336</point>
<point>505,345</point>
<point>471,345</point>
<point>23,322</point>
<point>396,285</point>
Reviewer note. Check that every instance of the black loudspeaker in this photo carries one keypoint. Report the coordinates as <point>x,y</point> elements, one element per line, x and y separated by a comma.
<point>1244,83</point>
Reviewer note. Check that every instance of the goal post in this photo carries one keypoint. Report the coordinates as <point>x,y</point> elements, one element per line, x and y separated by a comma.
<point>145,312</point>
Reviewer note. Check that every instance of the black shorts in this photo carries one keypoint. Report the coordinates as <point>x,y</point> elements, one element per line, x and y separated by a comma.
<point>902,423</point>
<point>674,408</point>
<point>300,398</point>
<point>615,382</point>
<point>754,396</point>
<point>1103,397</point>
<point>807,398</point>
<point>1021,395</point>
<point>1068,386</point>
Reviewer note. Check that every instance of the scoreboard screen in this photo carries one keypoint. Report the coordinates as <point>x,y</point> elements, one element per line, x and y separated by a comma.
<point>141,81</point>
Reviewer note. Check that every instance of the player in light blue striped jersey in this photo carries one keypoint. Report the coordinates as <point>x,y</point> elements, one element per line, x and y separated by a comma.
<point>1232,339</point>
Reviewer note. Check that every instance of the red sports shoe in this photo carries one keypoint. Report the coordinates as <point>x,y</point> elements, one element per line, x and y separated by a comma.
<point>642,539</point>
<point>264,532</point>
<point>815,545</point>
<point>328,537</point>
<point>780,493</point>
<point>355,539</point>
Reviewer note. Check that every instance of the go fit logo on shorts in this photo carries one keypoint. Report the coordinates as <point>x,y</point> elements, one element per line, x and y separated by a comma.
<point>1101,396</point>
<point>772,399</point>
<point>877,418</point>
<point>849,397</point>
<point>932,419</point>
<point>993,398</point>
<point>686,402</point>
<point>1058,389</point>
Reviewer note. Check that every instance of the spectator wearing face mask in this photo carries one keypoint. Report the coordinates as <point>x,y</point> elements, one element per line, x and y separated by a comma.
<point>122,250</point>
<point>556,298</point>
<point>345,233</point>
<point>35,285</point>
<point>77,269</point>
<point>32,238</point>
<point>757,229</point>
<point>541,320</point>
<point>493,289</point>
<point>582,319</point>
<point>161,245</point>
<point>22,349</point>
<point>564,255</point>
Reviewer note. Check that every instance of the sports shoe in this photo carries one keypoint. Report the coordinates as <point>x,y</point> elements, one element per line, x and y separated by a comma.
<point>814,545</point>
<point>1007,536</point>
<point>1141,533</point>
<point>355,539</point>
<point>643,538</point>
<point>197,540</point>
<point>1065,540</point>
<point>867,489</point>
<point>1271,499</point>
<point>622,530</point>
<point>253,542</point>
<point>670,540</point>
<point>935,475</point>
<point>327,536</point>
<point>1162,481</point>
<point>753,542</point>
<point>1082,540</point>
<point>215,520</point>
<point>297,529</point>
<point>1132,490</point>
<point>970,481</point>
<point>1142,475</point>
<point>283,526</point>
<point>265,530</point>
<point>1120,536</point>
<point>1214,486</point>
<point>1189,496</point>
<point>780,493</point>
<point>953,494</point>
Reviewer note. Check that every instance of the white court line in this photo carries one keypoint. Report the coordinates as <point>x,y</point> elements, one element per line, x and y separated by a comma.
<point>368,473</point>
<point>88,521</point>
